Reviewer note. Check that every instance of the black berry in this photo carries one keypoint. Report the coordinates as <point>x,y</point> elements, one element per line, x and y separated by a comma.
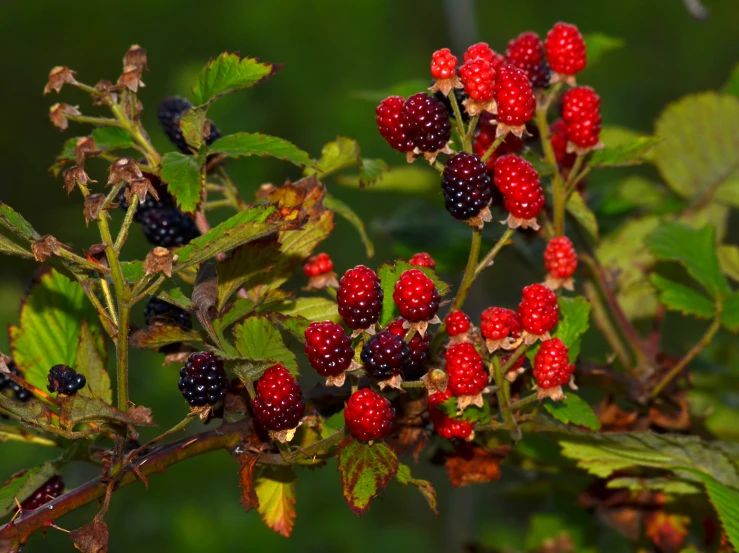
<point>168,227</point>
<point>65,380</point>
<point>169,113</point>
<point>165,199</point>
<point>466,185</point>
<point>428,122</point>
<point>20,393</point>
<point>203,380</point>
<point>385,355</point>
<point>160,311</point>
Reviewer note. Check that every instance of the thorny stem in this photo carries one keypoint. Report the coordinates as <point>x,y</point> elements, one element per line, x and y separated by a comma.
<point>313,449</point>
<point>488,259</point>
<point>176,428</point>
<point>152,156</point>
<point>413,384</point>
<point>469,271</point>
<point>521,403</point>
<point>520,350</point>
<point>573,176</point>
<point>81,261</point>
<point>123,233</point>
<point>105,287</point>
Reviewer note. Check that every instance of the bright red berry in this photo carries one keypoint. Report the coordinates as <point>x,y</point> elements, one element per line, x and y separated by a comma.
<point>560,257</point>
<point>499,323</point>
<point>328,348</point>
<point>526,52</point>
<point>422,259</point>
<point>393,124</point>
<point>457,322</point>
<point>559,145</point>
<point>368,415</point>
<point>478,78</point>
<point>482,50</point>
<point>514,97</point>
<point>278,404</point>
<point>519,182</point>
<point>416,296</point>
<point>52,488</point>
<point>565,48</point>
<point>428,122</point>
<point>485,136</point>
<point>538,310</point>
<point>552,365</point>
<point>445,426</point>
<point>418,349</point>
<point>467,376</point>
<point>359,297</point>
<point>385,355</point>
<point>466,185</point>
<point>581,114</point>
<point>318,265</point>
<point>443,64</point>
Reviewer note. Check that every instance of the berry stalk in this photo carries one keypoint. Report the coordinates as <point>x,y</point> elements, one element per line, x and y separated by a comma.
<point>470,270</point>
<point>502,393</point>
<point>459,122</point>
<point>127,220</point>
<point>487,261</point>
<point>558,190</point>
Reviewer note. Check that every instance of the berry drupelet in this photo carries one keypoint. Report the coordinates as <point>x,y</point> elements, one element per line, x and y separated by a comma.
<point>203,380</point>
<point>278,404</point>
<point>328,348</point>
<point>418,348</point>
<point>500,327</point>
<point>566,52</point>
<point>467,376</point>
<point>385,356</point>
<point>466,185</point>
<point>560,261</point>
<point>393,124</point>
<point>368,415</point>
<point>169,112</point>
<point>422,259</point>
<point>163,312</point>
<point>52,488</point>
<point>416,296</point>
<point>538,312</point>
<point>18,391</point>
<point>65,380</point>
<point>359,297</point>
<point>526,52</point>
<point>581,115</point>
<point>552,368</point>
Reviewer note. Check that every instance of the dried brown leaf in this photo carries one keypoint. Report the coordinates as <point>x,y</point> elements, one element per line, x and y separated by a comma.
<point>247,463</point>
<point>474,465</point>
<point>136,57</point>
<point>74,175</point>
<point>85,148</point>
<point>91,538</point>
<point>93,205</point>
<point>158,260</point>
<point>124,169</point>
<point>58,115</point>
<point>46,247</point>
<point>57,77</point>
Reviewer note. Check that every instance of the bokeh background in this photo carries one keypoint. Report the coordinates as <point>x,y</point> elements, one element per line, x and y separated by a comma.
<point>335,53</point>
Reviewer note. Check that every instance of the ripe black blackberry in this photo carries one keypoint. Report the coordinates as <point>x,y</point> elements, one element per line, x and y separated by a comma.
<point>203,380</point>
<point>169,113</point>
<point>20,393</point>
<point>385,355</point>
<point>168,227</point>
<point>160,311</point>
<point>460,96</point>
<point>165,199</point>
<point>65,380</point>
<point>418,348</point>
<point>53,488</point>
<point>466,185</point>
<point>429,123</point>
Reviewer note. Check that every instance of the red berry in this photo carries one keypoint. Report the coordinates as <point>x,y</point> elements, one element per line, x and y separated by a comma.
<point>514,96</point>
<point>318,265</point>
<point>52,488</point>
<point>422,259</point>
<point>466,186</point>
<point>499,323</point>
<point>393,124</point>
<point>467,376</point>
<point>385,355</point>
<point>428,122</point>
<point>482,50</point>
<point>443,64</point>
<point>278,404</point>
<point>585,132</point>
<point>538,309</point>
<point>485,136</point>
<point>359,297</point>
<point>478,78</point>
<point>565,48</point>
<point>445,426</point>
<point>368,415</point>
<point>457,322</point>
<point>328,348</point>
<point>559,145</point>
<point>519,182</point>
<point>418,348</point>
<point>560,257</point>
<point>578,102</point>
<point>416,296</point>
<point>552,365</point>
<point>526,52</point>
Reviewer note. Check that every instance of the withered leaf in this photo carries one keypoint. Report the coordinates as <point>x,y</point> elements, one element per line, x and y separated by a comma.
<point>93,205</point>
<point>91,538</point>
<point>58,115</point>
<point>124,169</point>
<point>85,148</point>
<point>139,416</point>
<point>46,247</point>
<point>57,77</point>
<point>76,174</point>
<point>131,78</point>
<point>475,465</point>
<point>136,57</point>
<point>158,260</point>
<point>247,463</point>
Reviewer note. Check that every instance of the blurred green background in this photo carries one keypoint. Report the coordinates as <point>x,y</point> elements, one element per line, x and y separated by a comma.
<point>331,51</point>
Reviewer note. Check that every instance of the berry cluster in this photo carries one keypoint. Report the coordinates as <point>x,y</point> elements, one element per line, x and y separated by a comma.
<point>18,391</point>
<point>329,349</point>
<point>457,323</point>
<point>368,415</point>
<point>552,368</point>
<point>538,311</point>
<point>203,380</point>
<point>418,348</point>
<point>500,327</point>
<point>422,259</point>
<point>566,52</point>
<point>418,125</point>
<point>446,426</point>
<point>359,297</point>
<point>467,375</point>
<point>320,272</point>
<point>65,380</point>
<point>467,188</point>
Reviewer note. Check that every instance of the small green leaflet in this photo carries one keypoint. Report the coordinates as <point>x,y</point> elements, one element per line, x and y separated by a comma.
<point>677,297</point>
<point>185,178</point>
<point>573,410</point>
<point>424,486</point>
<point>599,44</point>
<point>631,153</point>
<point>23,486</point>
<point>228,73</point>
<point>244,144</point>
<point>257,339</point>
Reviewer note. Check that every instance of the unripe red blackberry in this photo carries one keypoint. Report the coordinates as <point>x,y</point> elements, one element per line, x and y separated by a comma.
<point>168,227</point>
<point>368,415</point>
<point>467,376</point>
<point>514,98</point>
<point>444,72</point>
<point>422,259</point>
<point>526,52</point>
<point>52,488</point>
<point>499,326</point>
<point>416,296</point>
<point>392,123</point>
<point>484,138</point>
<point>578,102</point>
<point>466,185</point>
<point>359,297</point>
<point>65,380</point>
<point>538,310</point>
<point>482,50</point>
<point>418,348</point>
<point>478,78</point>
<point>445,426</point>
<point>318,265</point>
<point>560,258</point>
<point>163,312</point>
<point>457,322</point>
<point>552,365</point>
<point>565,49</point>
<point>278,403</point>
<point>519,182</point>
<point>559,145</point>
<point>428,122</point>
<point>385,355</point>
<point>581,114</point>
<point>21,394</point>
<point>203,380</point>
<point>328,348</point>
<point>169,112</point>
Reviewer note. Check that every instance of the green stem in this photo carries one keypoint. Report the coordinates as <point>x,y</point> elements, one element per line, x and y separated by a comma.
<point>322,445</point>
<point>217,204</point>
<point>558,191</point>
<point>502,393</point>
<point>605,325</point>
<point>487,261</point>
<point>458,120</point>
<point>105,287</point>
<point>470,131</point>
<point>498,141</point>
<point>123,233</point>
<point>413,384</point>
<point>81,261</point>
<point>520,350</point>
<point>521,403</point>
<point>176,428</point>
<point>152,156</point>
<point>470,270</point>
<point>98,121</point>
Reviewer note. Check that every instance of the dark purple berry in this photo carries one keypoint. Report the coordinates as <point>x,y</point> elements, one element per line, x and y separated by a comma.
<point>385,355</point>
<point>466,185</point>
<point>65,380</point>
<point>20,393</point>
<point>53,488</point>
<point>168,227</point>
<point>428,122</point>
<point>169,113</point>
<point>160,311</point>
<point>203,380</point>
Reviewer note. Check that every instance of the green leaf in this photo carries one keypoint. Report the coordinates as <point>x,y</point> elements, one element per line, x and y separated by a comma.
<point>389,275</point>
<point>50,327</point>
<point>730,312</point>
<point>156,336</point>
<point>192,123</point>
<point>9,247</point>
<point>91,360</point>
<point>726,502</point>
<point>257,339</point>
<point>16,224</point>
<point>23,486</point>
<point>276,493</point>
<point>242,144</point>
<point>335,156</point>
<point>237,311</point>
<point>698,156</point>
<point>78,409</point>
<point>335,204</point>
<point>577,207</point>
<point>175,296</point>
<point>246,226</point>
<point>371,170</point>
<point>185,178</point>
<point>414,180</point>
<point>133,271</point>
<point>732,85</point>
<point>404,477</point>
<point>228,73</point>
<point>636,192</point>
<point>111,138</point>
<point>598,44</point>
<point>728,257</point>
<point>667,485</point>
<point>575,410</point>
<point>364,471</point>
<point>622,155</point>
<point>694,249</point>
<point>574,322</point>
<point>677,297</point>
<point>312,309</point>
